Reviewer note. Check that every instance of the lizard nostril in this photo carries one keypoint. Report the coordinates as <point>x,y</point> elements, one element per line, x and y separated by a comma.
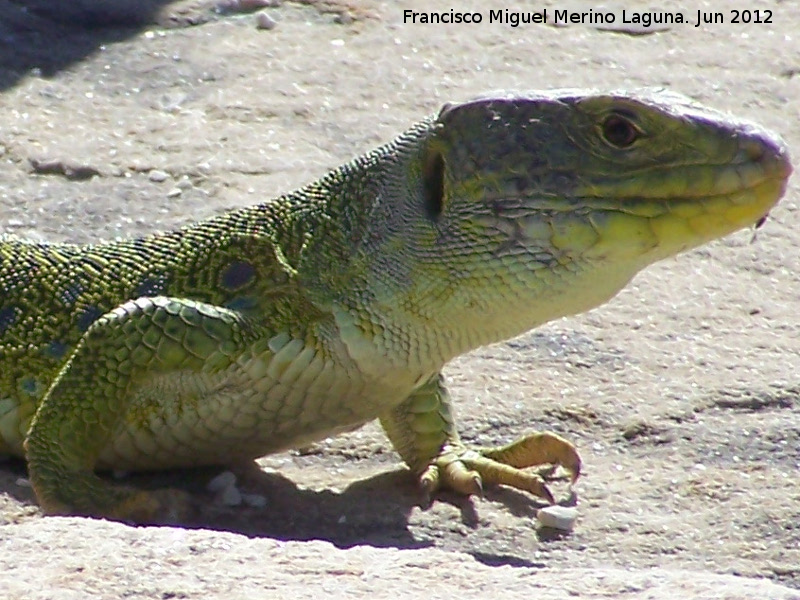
<point>772,154</point>
<point>754,151</point>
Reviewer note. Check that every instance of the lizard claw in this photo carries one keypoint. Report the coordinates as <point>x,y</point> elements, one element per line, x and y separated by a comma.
<point>451,472</point>
<point>542,448</point>
<point>465,471</point>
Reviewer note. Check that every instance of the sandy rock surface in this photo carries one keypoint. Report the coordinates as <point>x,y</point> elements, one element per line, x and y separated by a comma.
<point>683,393</point>
<point>181,563</point>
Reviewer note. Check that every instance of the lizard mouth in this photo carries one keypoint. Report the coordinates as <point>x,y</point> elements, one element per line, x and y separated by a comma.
<point>688,205</point>
<point>657,213</point>
<point>692,181</point>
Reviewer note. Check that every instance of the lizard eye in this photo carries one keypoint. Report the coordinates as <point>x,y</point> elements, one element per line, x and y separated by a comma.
<point>619,131</point>
<point>433,185</point>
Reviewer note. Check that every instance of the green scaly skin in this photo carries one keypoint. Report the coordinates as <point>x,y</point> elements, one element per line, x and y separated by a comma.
<point>272,326</point>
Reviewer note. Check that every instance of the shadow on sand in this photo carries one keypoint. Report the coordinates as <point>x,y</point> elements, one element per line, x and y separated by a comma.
<point>47,36</point>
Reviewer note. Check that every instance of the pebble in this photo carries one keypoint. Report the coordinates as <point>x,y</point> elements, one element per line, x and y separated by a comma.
<point>221,482</point>
<point>558,517</point>
<point>230,496</point>
<point>254,500</point>
<point>264,21</point>
<point>243,6</point>
<point>157,176</point>
<point>343,19</point>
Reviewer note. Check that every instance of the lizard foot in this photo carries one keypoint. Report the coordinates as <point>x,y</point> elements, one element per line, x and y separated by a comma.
<point>165,506</point>
<point>158,507</point>
<point>466,470</point>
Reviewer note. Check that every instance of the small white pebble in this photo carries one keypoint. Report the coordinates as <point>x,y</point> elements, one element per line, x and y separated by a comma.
<point>174,193</point>
<point>157,176</point>
<point>230,496</point>
<point>221,482</point>
<point>23,482</point>
<point>254,500</point>
<point>264,21</point>
<point>240,6</point>
<point>558,517</point>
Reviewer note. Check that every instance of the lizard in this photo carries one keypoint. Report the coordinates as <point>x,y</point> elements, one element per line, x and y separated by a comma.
<point>271,326</point>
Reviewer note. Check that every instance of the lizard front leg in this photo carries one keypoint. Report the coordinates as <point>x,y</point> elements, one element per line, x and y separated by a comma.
<point>423,431</point>
<point>92,396</point>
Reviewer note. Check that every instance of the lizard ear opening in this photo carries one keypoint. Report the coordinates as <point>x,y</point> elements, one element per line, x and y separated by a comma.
<point>433,185</point>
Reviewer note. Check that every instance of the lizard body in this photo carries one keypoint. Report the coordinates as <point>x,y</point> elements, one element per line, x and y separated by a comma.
<point>271,326</point>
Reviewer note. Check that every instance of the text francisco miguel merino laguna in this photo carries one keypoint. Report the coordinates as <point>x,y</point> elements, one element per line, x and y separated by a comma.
<point>590,17</point>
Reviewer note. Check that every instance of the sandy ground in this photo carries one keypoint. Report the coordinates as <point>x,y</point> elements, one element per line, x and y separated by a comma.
<point>682,392</point>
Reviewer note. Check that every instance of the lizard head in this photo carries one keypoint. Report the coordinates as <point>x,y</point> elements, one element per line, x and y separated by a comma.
<point>598,177</point>
<point>509,211</point>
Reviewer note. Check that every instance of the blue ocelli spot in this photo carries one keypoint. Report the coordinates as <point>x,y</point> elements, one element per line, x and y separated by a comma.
<point>29,385</point>
<point>56,349</point>
<point>8,314</point>
<point>238,274</point>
